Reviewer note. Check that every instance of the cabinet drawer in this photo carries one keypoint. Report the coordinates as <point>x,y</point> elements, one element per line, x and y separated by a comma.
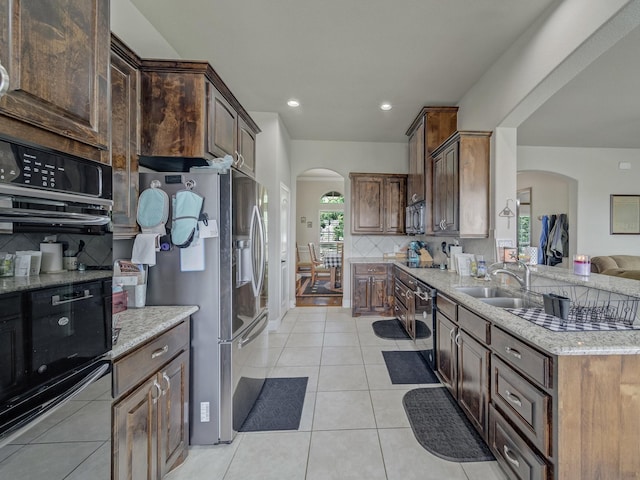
<point>149,358</point>
<point>402,293</point>
<point>512,452</point>
<point>400,312</point>
<point>447,307</point>
<point>475,325</point>
<point>370,268</point>
<point>525,405</point>
<point>529,361</point>
<point>405,278</point>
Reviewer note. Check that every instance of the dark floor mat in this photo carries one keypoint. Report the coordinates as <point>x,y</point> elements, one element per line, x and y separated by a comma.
<point>392,329</point>
<point>441,427</point>
<point>409,367</point>
<point>279,405</point>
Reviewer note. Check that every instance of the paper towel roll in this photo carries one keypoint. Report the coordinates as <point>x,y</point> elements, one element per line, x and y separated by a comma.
<point>453,251</point>
<point>51,257</point>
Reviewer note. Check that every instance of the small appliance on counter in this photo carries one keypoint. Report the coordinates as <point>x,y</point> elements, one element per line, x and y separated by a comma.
<point>51,255</point>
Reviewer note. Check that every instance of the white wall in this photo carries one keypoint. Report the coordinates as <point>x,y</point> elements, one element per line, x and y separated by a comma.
<point>308,206</point>
<point>551,193</point>
<point>137,33</point>
<point>343,158</point>
<point>273,169</point>
<point>598,176</point>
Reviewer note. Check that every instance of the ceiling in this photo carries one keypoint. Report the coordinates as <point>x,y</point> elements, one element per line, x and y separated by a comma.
<point>342,58</point>
<point>600,107</point>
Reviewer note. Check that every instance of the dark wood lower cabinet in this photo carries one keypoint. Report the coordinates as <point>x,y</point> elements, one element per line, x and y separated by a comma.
<point>473,380</point>
<point>150,429</point>
<point>446,353</point>
<point>372,292</point>
<point>516,457</point>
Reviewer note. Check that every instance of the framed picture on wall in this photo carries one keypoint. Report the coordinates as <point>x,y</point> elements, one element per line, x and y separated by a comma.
<point>625,215</point>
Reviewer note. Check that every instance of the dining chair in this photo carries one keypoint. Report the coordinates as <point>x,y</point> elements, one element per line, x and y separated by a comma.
<point>303,266</point>
<point>317,266</point>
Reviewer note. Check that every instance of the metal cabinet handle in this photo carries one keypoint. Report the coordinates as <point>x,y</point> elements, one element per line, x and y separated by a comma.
<point>515,399</point>
<point>166,378</point>
<point>4,80</point>
<point>509,456</point>
<point>158,390</point>
<point>458,339</point>
<point>160,352</point>
<point>414,197</point>
<point>513,352</point>
<point>408,294</point>
<point>451,332</point>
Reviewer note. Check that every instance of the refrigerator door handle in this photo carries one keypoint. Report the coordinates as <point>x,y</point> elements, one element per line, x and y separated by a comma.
<point>257,241</point>
<point>246,338</point>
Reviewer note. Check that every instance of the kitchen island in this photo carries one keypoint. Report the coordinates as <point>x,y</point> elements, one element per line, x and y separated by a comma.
<point>551,405</point>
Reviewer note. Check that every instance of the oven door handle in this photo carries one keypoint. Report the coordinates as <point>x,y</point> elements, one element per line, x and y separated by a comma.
<point>25,215</point>
<point>74,297</point>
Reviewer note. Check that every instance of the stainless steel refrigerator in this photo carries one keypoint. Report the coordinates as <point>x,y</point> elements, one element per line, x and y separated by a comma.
<point>226,276</point>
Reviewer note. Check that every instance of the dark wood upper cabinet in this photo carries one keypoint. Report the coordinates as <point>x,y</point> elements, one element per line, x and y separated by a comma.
<point>377,203</point>
<point>57,57</point>
<point>188,111</point>
<point>125,114</point>
<point>461,185</point>
<point>431,127</point>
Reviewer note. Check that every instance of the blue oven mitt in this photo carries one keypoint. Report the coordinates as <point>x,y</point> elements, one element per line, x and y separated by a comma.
<point>187,209</point>
<point>153,210</point>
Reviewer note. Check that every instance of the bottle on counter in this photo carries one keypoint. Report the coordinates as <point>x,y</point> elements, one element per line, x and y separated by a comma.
<point>481,268</point>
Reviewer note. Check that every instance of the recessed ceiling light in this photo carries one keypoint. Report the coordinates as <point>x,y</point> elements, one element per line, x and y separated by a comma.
<point>386,106</point>
<point>293,103</point>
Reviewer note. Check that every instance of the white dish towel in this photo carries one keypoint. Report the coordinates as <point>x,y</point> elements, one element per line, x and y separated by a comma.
<point>145,247</point>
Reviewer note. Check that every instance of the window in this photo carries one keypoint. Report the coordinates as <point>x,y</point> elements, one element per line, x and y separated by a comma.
<point>332,197</point>
<point>331,221</point>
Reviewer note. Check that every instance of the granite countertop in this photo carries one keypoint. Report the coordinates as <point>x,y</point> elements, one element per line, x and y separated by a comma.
<point>371,260</point>
<point>556,343</point>
<point>141,324</point>
<point>45,280</point>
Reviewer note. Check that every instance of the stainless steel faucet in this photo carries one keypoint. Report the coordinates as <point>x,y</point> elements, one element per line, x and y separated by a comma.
<point>524,282</point>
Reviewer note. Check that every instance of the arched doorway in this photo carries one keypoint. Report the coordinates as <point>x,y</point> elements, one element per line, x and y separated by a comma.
<point>320,222</point>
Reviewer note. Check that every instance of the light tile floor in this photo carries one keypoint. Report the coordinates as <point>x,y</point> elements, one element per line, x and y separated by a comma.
<point>353,423</point>
<point>73,443</point>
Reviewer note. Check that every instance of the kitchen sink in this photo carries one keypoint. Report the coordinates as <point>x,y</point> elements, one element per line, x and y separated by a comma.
<point>506,302</point>
<point>485,292</point>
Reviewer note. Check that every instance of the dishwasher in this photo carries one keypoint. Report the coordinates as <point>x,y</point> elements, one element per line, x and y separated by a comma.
<point>424,308</point>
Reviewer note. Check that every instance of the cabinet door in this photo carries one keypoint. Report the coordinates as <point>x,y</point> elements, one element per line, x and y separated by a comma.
<point>12,350</point>
<point>222,125</point>
<point>135,434</point>
<point>124,145</point>
<point>446,353</point>
<point>246,148</point>
<point>379,300</point>
<point>450,172</point>
<point>57,57</point>
<point>360,301</point>
<point>394,209</point>
<point>439,192</point>
<point>173,413</point>
<point>367,204</point>
<point>473,380</point>
<point>416,183</point>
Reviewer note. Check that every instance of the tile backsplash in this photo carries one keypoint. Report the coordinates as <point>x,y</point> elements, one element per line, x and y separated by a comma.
<point>376,246</point>
<point>98,249</point>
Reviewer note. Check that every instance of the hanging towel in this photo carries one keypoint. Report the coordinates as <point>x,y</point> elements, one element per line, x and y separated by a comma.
<point>187,208</point>
<point>145,247</point>
<point>544,233</point>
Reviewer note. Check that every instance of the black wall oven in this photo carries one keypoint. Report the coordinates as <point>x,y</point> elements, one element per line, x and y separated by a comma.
<point>55,328</point>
